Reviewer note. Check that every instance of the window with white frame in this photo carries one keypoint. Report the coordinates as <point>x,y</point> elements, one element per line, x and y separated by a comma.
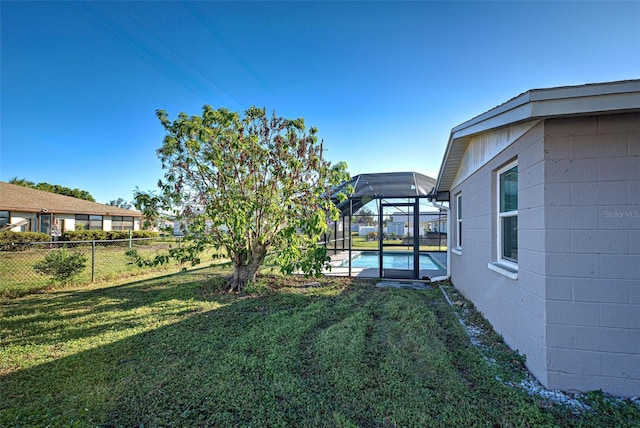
<point>459,220</point>
<point>507,226</point>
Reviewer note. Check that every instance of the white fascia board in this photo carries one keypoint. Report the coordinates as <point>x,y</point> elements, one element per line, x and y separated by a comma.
<point>608,103</point>
<point>444,162</point>
<point>455,151</point>
<point>541,103</point>
<point>595,89</point>
<point>507,117</point>
<point>512,104</point>
<point>612,97</point>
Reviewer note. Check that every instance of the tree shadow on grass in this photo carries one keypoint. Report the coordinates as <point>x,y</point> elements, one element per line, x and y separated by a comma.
<point>205,364</point>
<point>64,315</point>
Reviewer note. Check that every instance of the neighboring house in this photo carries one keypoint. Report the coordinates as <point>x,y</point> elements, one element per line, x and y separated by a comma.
<point>402,224</point>
<point>544,194</point>
<point>23,209</point>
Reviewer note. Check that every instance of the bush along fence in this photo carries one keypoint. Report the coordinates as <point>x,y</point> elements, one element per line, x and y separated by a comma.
<point>27,267</point>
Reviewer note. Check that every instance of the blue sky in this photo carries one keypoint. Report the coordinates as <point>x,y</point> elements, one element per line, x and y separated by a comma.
<point>384,82</point>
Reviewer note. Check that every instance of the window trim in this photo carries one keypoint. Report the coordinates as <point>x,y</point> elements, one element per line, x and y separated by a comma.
<point>459,217</point>
<point>503,269</point>
<point>510,265</point>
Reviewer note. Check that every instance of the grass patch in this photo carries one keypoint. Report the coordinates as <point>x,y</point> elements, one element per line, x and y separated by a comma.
<point>362,243</point>
<point>174,351</point>
<point>18,276</point>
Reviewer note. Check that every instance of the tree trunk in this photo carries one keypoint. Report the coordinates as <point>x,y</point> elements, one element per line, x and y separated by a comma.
<point>245,268</point>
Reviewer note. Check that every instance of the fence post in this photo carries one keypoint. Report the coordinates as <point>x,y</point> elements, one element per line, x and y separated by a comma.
<point>93,259</point>
<point>130,236</point>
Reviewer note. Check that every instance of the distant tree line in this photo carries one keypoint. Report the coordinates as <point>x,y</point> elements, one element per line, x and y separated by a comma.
<point>53,188</point>
<point>121,203</point>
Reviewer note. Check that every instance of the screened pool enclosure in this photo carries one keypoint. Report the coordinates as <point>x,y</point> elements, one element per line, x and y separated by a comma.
<point>388,228</point>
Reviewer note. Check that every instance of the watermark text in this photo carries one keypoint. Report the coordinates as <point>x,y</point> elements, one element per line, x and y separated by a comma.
<point>622,214</point>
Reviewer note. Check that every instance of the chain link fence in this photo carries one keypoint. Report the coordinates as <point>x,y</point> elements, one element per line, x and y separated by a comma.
<point>105,260</point>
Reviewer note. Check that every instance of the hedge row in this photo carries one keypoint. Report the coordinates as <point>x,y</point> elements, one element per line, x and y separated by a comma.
<point>14,241</point>
<point>105,235</point>
<point>17,241</point>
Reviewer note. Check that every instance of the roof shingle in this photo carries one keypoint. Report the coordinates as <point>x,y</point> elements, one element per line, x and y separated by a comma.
<point>26,199</point>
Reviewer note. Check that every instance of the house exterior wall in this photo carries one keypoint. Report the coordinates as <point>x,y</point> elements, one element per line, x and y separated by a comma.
<point>69,220</point>
<point>16,217</point>
<point>515,307</point>
<point>437,222</point>
<point>574,307</point>
<point>592,259</point>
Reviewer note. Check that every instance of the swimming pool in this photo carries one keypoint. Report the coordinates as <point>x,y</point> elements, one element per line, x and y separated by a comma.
<point>392,260</point>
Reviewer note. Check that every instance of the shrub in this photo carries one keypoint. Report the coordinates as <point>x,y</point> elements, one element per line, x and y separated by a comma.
<point>145,234</point>
<point>117,234</point>
<point>77,235</point>
<point>61,265</point>
<point>17,241</point>
<point>372,236</point>
<point>105,235</point>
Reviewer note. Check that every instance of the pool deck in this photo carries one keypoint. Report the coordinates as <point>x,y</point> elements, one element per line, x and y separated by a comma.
<point>342,256</point>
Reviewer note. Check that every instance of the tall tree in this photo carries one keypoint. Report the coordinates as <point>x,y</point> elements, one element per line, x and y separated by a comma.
<point>251,184</point>
<point>364,215</point>
<point>120,203</point>
<point>53,188</point>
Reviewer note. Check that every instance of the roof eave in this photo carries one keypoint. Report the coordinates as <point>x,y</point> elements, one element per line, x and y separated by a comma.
<point>63,211</point>
<point>607,98</point>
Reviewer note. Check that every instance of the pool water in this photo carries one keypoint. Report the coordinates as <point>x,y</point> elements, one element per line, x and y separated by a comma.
<point>395,260</point>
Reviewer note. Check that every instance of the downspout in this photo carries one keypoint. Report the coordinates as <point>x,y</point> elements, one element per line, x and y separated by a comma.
<point>446,209</point>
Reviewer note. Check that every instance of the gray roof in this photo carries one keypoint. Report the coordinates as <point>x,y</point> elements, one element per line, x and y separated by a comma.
<point>385,185</point>
<point>26,199</point>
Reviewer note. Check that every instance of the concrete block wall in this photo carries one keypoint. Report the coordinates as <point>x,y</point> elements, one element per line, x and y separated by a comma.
<point>515,307</point>
<point>592,259</point>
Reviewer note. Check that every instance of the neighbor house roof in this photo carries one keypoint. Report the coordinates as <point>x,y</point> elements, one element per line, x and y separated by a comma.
<point>26,199</point>
<point>537,104</point>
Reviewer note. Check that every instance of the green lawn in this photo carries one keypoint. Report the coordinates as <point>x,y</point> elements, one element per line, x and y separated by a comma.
<point>173,351</point>
<point>362,243</point>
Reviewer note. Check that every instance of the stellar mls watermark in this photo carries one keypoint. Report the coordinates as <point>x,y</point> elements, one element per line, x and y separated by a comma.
<point>622,214</point>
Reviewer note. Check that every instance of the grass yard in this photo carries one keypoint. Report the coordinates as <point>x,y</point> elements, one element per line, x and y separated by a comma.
<point>173,351</point>
<point>18,277</point>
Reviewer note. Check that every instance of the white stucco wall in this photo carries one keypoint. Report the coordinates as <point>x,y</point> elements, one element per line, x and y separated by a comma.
<point>17,216</point>
<point>69,221</point>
